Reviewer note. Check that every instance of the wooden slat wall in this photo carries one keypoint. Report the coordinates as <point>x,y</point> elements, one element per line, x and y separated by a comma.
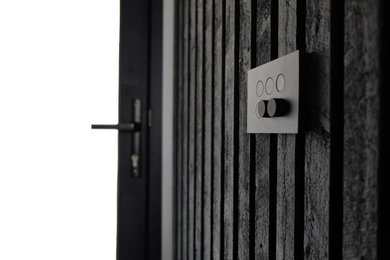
<point>308,196</point>
<point>192,127</point>
<point>230,129</point>
<point>361,131</point>
<point>208,122</point>
<point>244,140</point>
<point>288,166</point>
<point>199,125</point>
<point>184,142</point>
<point>217,117</point>
<point>317,140</point>
<point>179,132</point>
<point>263,197</point>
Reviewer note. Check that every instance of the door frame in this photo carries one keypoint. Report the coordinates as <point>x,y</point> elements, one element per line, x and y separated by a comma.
<point>168,117</point>
<point>140,76</point>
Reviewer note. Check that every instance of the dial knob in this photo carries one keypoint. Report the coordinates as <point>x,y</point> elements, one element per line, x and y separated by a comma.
<point>277,107</point>
<point>261,109</point>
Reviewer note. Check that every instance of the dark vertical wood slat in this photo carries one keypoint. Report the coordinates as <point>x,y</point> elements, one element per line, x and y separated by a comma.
<point>262,156</point>
<point>192,128</point>
<point>262,197</point>
<point>317,139</point>
<point>199,128</point>
<point>208,111</point>
<point>229,131</point>
<point>383,235</point>
<point>179,129</point>
<point>360,139</point>
<point>316,196</point>
<point>285,242</point>
<point>185,128</point>
<point>336,129</point>
<point>286,157</point>
<point>218,81</point>
<point>361,128</point>
<point>244,145</point>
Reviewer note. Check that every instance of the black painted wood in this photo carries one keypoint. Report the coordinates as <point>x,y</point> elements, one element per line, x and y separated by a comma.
<point>191,128</point>
<point>185,129</point>
<point>308,196</point>
<point>244,141</point>
<point>361,128</point>
<point>286,146</point>
<point>218,125</point>
<point>263,141</point>
<point>199,126</point>
<point>230,128</point>
<point>317,139</point>
<point>208,123</point>
<point>179,129</point>
<point>336,129</point>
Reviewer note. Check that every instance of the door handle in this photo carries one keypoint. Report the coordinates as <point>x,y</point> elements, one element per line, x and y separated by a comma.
<point>135,128</point>
<point>132,127</point>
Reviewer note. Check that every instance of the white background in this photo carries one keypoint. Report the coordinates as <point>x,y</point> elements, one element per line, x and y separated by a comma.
<point>58,74</point>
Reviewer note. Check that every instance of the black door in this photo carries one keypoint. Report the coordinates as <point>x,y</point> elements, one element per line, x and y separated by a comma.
<point>139,138</point>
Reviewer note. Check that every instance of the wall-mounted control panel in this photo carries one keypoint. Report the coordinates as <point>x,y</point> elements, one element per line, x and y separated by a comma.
<point>273,96</point>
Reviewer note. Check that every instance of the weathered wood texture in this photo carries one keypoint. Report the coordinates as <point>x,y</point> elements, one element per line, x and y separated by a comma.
<point>179,131</point>
<point>262,151</point>
<point>208,112</point>
<point>286,146</point>
<point>308,196</point>
<point>184,239</point>
<point>361,131</point>
<point>191,129</point>
<point>218,95</point>
<point>230,130</point>
<point>244,141</point>
<point>199,126</point>
<point>317,139</point>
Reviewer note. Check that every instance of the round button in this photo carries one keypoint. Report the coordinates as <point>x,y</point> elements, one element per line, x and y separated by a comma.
<point>259,88</point>
<point>280,83</point>
<point>269,85</point>
<point>278,107</point>
<point>261,109</point>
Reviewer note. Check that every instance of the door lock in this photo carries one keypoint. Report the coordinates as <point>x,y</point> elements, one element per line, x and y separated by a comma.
<point>135,128</point>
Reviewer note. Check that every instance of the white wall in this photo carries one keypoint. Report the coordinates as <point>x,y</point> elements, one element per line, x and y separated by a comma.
<point>58,74</point>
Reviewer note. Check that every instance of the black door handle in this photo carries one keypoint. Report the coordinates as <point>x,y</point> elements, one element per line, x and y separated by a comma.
<point>132,127</point>
<point>135,128</point>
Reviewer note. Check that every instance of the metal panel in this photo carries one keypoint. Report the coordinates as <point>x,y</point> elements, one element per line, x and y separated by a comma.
<point>278,79</point>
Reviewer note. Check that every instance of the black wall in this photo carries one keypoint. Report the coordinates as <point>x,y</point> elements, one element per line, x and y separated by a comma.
<point>316,195</point>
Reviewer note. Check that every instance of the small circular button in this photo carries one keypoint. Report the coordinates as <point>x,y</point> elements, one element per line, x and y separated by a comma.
<point>278,107</point>
<point>261,109</point>
<point>280,83</point>
<point>259,88</point>
<point>269,85</point>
